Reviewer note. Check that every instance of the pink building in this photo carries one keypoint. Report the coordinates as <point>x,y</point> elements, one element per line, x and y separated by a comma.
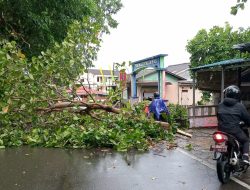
<point>178,85</point>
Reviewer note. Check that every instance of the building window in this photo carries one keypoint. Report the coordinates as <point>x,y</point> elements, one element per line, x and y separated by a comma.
<point>82,80</point>
<point>99,79</point>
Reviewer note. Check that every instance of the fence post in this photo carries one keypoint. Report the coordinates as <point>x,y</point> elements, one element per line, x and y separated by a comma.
<point>194,93</point>
<point>222,83</point>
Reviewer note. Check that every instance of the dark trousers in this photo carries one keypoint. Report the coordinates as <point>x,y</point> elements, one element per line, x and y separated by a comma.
<point>243,139</point>
<point>240,135</point>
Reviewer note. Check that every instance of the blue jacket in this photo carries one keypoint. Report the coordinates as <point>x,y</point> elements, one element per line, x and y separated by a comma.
<point>157,107</point>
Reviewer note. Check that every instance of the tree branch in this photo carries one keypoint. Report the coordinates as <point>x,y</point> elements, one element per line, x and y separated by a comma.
<point>81,106</point>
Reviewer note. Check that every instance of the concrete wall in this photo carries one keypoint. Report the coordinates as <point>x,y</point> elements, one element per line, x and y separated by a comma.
<point>185,95</point>
<point>171,93</point>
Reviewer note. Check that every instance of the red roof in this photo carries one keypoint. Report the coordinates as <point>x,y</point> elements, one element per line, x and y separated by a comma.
<point>85,91</point>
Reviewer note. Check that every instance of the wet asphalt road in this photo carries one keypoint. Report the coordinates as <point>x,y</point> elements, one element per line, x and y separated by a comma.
<point>56,169</point>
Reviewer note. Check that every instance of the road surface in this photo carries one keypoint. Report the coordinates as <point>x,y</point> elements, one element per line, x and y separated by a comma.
<point>58,169</point>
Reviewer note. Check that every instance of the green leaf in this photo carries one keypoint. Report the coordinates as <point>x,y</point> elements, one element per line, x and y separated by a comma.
<point>113,142</point>
<point>31,76</point>
<point>23,106</point>
<point>8,56</point>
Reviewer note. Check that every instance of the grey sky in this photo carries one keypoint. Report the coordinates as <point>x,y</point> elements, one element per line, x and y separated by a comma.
<point>151,27</point>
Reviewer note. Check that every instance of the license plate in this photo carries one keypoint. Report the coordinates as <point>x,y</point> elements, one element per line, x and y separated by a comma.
<point>218,148</point>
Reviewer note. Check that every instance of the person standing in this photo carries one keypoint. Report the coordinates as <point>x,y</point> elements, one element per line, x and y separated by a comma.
<point>157,107</point>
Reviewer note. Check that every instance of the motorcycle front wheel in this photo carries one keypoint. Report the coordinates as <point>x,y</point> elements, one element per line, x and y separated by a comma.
<point>223,169</point>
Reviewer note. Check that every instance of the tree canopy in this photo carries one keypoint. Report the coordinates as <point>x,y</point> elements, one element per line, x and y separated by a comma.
<point>43,49</point>
<point>37,25</point>
<point>216,44</point>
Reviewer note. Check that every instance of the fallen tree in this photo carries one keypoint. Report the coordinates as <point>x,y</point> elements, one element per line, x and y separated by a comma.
<point>35,107</point>
<point>166,126</point>
<point>96,106</point>
<point>128,129</point>
<point>81,107</point>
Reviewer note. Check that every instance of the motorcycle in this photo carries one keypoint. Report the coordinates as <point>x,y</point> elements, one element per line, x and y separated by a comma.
<point>228,155</point>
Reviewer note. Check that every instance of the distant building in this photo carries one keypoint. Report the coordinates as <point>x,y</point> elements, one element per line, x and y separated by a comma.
<point>83,92</point>
<point>185,87</point>
<point>96,80</point>
<point>179,89</point>
<point>181,70</point>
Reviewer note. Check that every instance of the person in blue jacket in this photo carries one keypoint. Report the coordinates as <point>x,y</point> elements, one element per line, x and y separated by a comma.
<point>157,107</point>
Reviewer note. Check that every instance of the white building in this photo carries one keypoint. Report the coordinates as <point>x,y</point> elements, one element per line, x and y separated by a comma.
<point>102,80</point>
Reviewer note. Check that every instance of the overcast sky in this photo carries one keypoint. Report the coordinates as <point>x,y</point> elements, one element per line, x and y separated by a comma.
<point>151,27</point>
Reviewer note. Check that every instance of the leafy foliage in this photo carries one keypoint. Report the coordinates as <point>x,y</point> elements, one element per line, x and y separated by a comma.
<point>37,25</point>
<point>216,44</point>
<point>239,5</point>
<point>116,131</point>
<point>27,85</point>
<point>189,147</point>
<point>205,98</point>
<point>178,116</point>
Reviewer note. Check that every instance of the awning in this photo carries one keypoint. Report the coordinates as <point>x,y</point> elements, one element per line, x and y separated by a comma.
<point>236,71</point>
<point>232,63</point>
